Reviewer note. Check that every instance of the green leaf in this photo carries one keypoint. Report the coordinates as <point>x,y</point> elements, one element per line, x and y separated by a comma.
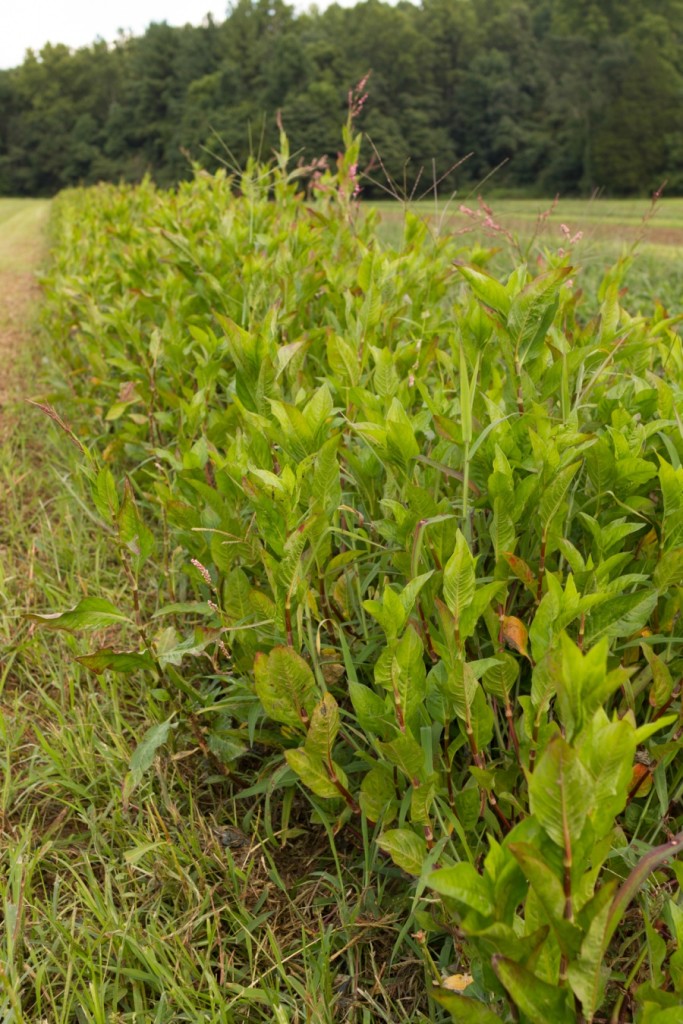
<point>411,591</point>
<point>408,678</point>
<point>390,612</point>
<point>555,493</point>
<point>90,613</point>
<point>323,728</point>
<point>133,534</point>
<point>481,720</point>
<point>461,686</point>
<point>550,893</point>
<point>620,616</point>
<point>146,750</point>
<point>499,679</point>
<point>343,359</point>
<point>285,685</point>
<point>669,570</point>
<point>544,628</point>
<point>406,849</point>
<point>600,466</point>
<point>105,496</point>
<point>538,1000</point>
<point>587,973</point>
<point>406,753</point>
<point>560,792</point>
<point>421,801</point>
<point>532,311</point>
<point>489,291</point>
<point>313,773</point>
<point>464,1010</point>
<point>672,1015</point>
<point>671,483</point>
<point>124,662</point>
<point>401,443</point>
<point>465,885</point>
<point>643,732</point>
<point>459,578</point>
<point>582,684</point>
<point>662,681</point>
<point>502,529</point>
<point>325,483</point>
<point>370,709</point>
<point>483,596</point>
<point>378,799</point>
<point>318,409</point>
<point>607,749</point>
<point>385,377</point>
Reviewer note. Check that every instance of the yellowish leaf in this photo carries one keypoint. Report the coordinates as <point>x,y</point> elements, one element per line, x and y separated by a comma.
<point>516,634</point>
<point>457,982</point>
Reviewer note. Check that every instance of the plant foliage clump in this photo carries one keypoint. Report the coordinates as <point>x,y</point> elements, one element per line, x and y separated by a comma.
<point>413,532</point>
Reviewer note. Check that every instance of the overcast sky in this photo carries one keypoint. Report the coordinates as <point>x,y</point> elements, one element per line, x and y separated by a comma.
<point>30,24</point>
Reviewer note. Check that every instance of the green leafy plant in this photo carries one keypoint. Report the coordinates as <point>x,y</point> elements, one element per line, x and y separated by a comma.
<point>413,528</point>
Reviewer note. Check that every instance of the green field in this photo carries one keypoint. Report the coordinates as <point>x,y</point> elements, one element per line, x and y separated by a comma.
<point>340,612</point>
<point>609,227</point>
<point>614,219</point>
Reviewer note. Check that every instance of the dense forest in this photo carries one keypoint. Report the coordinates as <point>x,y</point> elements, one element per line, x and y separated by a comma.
<point>544,95</point>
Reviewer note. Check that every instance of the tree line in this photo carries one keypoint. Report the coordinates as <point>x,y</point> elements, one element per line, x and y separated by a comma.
<point>540,96</point>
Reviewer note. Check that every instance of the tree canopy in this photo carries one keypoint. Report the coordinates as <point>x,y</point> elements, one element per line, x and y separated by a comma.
<point>547,95</point>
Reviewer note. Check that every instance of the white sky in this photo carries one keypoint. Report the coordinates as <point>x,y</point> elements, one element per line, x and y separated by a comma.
<point>30,24</point>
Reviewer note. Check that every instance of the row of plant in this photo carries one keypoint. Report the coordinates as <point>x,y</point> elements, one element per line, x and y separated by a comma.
<point>409,535</point>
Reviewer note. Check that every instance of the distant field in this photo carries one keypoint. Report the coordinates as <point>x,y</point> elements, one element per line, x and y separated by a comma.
<point>622,221</point>
<point>610,228</point>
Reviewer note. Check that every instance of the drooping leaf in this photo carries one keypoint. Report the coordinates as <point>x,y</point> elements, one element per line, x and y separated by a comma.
<point>124,662</point>
<point>90,613</point>
<point>515,634</point>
